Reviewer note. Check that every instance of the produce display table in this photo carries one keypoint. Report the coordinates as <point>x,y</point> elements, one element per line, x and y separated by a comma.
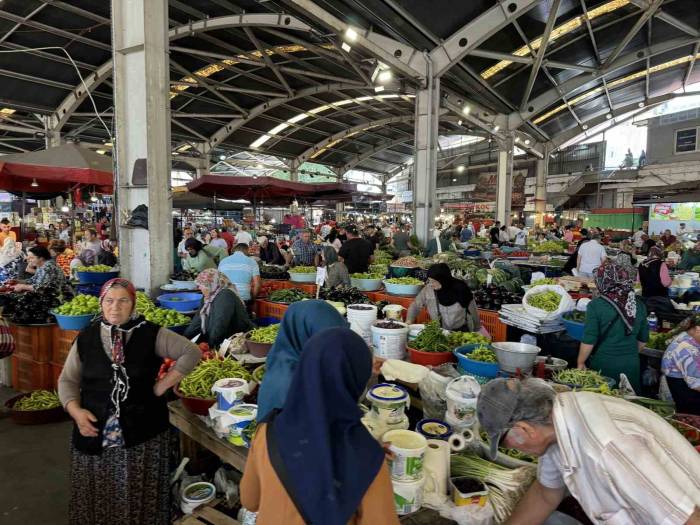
<point>193,430</point>
<point>549,270</point>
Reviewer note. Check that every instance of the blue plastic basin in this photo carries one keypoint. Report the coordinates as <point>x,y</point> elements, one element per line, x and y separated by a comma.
<point>96,277</point>
<point>470,366</point>
<point>182,301</point>
<point>72,322</point>
<point>574,329</point>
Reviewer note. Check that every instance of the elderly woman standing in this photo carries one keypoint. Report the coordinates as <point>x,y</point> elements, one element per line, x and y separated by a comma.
<point>121,447</point>
<point>616,326</point>
<point>223,312</point>
<point>337,272</point>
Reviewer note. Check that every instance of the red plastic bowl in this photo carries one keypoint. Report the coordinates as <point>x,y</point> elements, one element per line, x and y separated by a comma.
<point>257,349</point>
<point>419,357</point>
<point>195,405</point>
<point>34,417</point>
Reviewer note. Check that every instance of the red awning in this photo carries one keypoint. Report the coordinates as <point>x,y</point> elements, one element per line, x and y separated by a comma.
<point>56,170</point>
<point>268,190</point>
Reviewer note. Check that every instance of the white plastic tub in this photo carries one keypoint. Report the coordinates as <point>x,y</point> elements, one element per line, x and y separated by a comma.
<point>389,343</point>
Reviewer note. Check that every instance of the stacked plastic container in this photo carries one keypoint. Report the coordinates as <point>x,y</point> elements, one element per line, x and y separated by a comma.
<point>361,317</point>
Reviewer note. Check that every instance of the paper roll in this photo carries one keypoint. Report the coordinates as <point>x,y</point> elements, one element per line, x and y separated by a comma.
<point>436,466</point>
<point>468,436</point>
<point>457,442</point>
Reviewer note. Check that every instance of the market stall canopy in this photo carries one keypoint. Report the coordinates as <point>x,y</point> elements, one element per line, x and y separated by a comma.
<point>187,200</point>
<point>56,170</point>
<point>269,190</point>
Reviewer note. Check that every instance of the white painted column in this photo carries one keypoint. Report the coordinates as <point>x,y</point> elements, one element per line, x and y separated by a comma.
<point>541,173</point>
<point>339,211</point>
<point>425,163</point>
<point>504,181</point>
<point>142,114</point>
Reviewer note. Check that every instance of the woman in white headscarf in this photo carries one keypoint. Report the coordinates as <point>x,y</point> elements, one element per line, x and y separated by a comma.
<point>10,259</point>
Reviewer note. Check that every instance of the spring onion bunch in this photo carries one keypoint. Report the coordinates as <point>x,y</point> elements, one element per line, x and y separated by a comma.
<point>506,486</point>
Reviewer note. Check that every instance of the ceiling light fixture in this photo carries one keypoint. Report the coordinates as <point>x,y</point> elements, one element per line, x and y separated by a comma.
<point>93,198</point>
<point>34,184</point>
<point>378,89</point>
<point>454,180</point>
<point>351,34</point>
<point>608,116</point>
<point>466,109</point>
<point>459,122</point>
<point>259,166</point>
<point>584,127</point>
<point>345,47</point>
<point>460,168</point>
<point>222,157</point>
<point>496,128</point>
<point>517,139</point>
<point>65,209</point>
<point>384,76</point>
<point>527,142</point>
<point>641,104</point>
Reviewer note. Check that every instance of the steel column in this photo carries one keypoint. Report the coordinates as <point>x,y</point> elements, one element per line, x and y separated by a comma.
<point>142,116</point>
<point>425,163</point>
<point>504,181</point>
<point>542,170</point>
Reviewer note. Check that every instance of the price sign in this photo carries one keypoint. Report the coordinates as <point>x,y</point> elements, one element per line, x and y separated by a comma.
<point>320,275</point>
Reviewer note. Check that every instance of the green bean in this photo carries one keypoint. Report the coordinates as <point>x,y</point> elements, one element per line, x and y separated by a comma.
<point>199,382</point>
<point>38,400</point>
<point>265,335</point>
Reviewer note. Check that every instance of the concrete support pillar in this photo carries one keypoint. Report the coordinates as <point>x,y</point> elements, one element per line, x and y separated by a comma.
<point>504,181</point>
<point>542,171</point>
<point>202,165</point>
<point>339,211</point>
<point>142,143</point>
<point>53,136</point>
<point>425,164</point>
<point>294,170</point>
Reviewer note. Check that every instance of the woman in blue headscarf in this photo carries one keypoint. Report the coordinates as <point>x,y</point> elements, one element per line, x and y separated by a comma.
<point>300,322</point>
<point>314,462</point>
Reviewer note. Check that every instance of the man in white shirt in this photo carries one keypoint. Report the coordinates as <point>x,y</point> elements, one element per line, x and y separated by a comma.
<point>623,463</point>
<point>187,233</point>
<point>637,238</point>
<point>243,237</point>
<point>591,254</point>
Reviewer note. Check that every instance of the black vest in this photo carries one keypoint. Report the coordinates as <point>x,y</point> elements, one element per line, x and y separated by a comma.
<point>650,277</point>
<point>143,415</point>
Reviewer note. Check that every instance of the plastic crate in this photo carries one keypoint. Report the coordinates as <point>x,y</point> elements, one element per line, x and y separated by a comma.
<point>28,375</point>
<point>493,325</point>
<point>33,342</point>
<point>266,321</point>
<point>62,343</point>
<point>56,370</point>
<point>269,309</point>
<point>376,296</point>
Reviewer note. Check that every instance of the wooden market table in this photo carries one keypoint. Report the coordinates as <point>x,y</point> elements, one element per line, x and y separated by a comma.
<point>194,431</point>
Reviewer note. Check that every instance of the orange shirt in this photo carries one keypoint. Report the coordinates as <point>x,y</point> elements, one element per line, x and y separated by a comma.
<point>4,236</point>
<point>263,492</point>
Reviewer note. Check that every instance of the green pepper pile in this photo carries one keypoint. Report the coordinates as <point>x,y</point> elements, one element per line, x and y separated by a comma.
<point>585,379</point>
<point>288,295</point>
<point>267,334</point>
<point>80,305</point>
<point>547,300</point>
<point>259,373</point>
<point>367,275</point>
<point>431,339</point>
<point>199,382</point>
<point>484,354</point>
<point>97,268</point>
<point>404,280</point>
<point>458,339</point>
<point>546,280</point>
<point>38,400</point>
<point>303,269</point>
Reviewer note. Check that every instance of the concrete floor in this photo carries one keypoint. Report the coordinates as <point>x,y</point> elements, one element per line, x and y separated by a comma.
<point>34,470</point>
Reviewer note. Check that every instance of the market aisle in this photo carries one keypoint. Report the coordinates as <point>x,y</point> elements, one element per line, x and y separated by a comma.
<point>34,465</point>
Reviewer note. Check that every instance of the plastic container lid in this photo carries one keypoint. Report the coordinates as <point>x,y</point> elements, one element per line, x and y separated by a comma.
<point>433,428</point>
<point>387,393</point>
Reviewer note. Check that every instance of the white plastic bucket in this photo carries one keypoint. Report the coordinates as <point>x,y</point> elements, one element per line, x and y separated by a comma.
<point>414,330</point>
<point>196,494</point>
<point>409,452</point>
<point>408,496</point>
<point>389,343</point>
<point>229,392</point>
<point>462,394</point>
<point>240,416</point>
<point>361,317</point>
<point>388,402</point>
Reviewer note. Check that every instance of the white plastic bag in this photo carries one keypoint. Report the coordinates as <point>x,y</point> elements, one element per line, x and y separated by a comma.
<point>566,304</point>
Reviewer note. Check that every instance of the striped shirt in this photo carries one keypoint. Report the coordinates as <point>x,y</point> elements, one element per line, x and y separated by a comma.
<point>623,463</point>
<point>240,269</point>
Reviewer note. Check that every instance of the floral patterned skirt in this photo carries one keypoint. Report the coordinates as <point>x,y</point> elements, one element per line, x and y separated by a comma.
<point>123,486</point>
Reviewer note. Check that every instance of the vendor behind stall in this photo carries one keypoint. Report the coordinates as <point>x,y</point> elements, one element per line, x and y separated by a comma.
<point>448,300</point>
<point>223,313</point>
<point>199,257</point>
<point>691,258</point>
<point>11,260</point>
<point>616,327</point>
<point>269,252</point>
<point>624,464</point>
<point>336,271</point>
<point>47,276</point>
<point>655,280</point>
<point>356,252</point>
<point>681,366</point>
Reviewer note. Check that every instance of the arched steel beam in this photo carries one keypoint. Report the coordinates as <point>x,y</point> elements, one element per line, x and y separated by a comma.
<point>350,132</point>
<point>359,159</point>
<point>74,99</point>
<point>225,131</point>
<point>550,97</point>
<point>601,117</point>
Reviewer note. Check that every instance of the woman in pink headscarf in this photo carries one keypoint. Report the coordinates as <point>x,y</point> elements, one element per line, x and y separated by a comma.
<point>121,450</point>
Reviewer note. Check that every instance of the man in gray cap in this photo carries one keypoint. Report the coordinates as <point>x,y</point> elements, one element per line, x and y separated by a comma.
<point>623,463</point>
